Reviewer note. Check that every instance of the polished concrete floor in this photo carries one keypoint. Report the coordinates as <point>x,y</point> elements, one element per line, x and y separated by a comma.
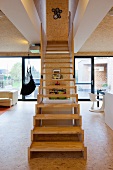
<point>15,138</point>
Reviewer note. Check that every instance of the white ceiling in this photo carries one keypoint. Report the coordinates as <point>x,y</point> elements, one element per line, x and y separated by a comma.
<point>20,26</point>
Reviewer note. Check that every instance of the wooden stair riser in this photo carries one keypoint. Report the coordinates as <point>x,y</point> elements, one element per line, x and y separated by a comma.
<point>52,73</point>
<point>59,137</point>
<point>75,107</point>
<point>55,67</point>
<point>52,57</point>
<point>59,133</point>
<point>57,43</point>
<point>57,105</point>
<point>57,49</point>
<point>56,59</point>
<point>56,147</point>
<point>75,122</point>
<point>57,116</point>
<point>56,62</point>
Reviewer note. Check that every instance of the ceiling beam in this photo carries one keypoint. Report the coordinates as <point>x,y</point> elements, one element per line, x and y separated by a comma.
<point>88,15</point>
<point>24,16</point>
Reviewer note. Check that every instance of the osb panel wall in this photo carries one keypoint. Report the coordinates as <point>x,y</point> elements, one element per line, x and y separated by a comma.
<point>57,30</point>
<point>41,9</point>
<point>101,40</point>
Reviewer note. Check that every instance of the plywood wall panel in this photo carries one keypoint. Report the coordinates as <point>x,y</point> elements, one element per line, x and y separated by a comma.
<point>57,30</point>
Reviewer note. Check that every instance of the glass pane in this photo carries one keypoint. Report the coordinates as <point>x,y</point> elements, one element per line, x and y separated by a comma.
<point>83,70</point>
<point>103,73</point>
<point>83,91</point>
<point>36,73</point>
<point>11,74</point>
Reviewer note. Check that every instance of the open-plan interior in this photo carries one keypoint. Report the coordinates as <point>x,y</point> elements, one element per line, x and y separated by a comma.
<point>56,87</point>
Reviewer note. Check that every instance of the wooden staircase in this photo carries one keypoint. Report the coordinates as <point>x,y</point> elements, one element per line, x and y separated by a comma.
<point>57,123</point>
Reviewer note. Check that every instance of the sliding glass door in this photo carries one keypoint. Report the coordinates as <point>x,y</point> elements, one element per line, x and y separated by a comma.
<point>84,76</point>
<point>11,74</point>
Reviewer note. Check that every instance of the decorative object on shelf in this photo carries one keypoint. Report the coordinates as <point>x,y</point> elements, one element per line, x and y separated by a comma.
<point>57,91</point>
<point>57,83</point>
<point>57,13</point>
<point>56,74</point>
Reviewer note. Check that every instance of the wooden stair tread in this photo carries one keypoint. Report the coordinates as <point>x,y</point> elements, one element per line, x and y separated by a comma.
<point>57,48</point>
<point>57,146</point>
<point>42,105</point>
<point>57,67</point>
<point>57,52</point>
<point>54,58</point>
<point>57,62</point>
<point>57,116</point>
<point>59,80</point>
<point>57,45</point>
<point>57,130</point>
<point>60,73</point>
<point>59,56</point>
<point>58,87</point>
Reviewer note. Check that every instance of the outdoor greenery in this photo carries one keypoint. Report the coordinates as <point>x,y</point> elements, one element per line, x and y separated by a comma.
<point>16,72</point>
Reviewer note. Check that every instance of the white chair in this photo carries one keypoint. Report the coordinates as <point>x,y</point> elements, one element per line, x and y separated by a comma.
<point>93,98</point>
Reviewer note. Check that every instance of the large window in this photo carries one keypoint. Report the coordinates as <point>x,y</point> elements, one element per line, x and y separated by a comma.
<point>10,73</point>
<point>13,71</point>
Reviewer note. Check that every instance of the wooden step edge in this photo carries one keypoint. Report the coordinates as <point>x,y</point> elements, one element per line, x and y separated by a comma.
<point>47,62</point>
<point>57,80</point>
<point>60,73</point>
<point>56,146</point>
<point>58,87</point>
<point>53,105</point>
<point>49,146</point>
<point>57,45</point>
<point>62,54</point>
<point>57,50</point>
<point>57,58</point>
<point>57,42</point>
<point>57,130</point>
<point>57,53</point>
<point>45,67</point>
<point>56,116</point>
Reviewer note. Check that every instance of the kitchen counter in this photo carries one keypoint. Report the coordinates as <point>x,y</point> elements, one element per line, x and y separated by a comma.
<point>109,109</point>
